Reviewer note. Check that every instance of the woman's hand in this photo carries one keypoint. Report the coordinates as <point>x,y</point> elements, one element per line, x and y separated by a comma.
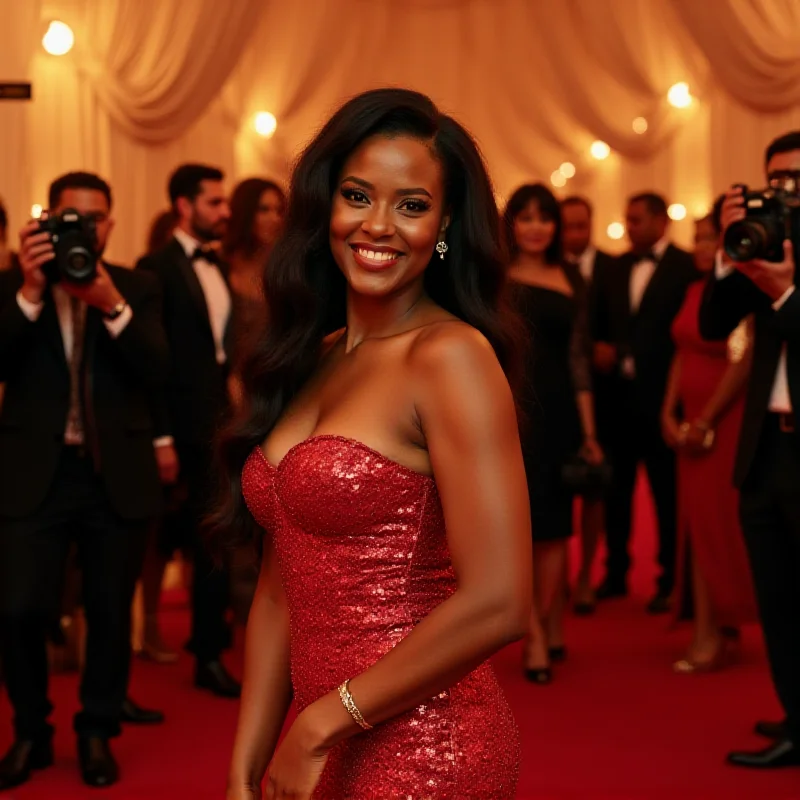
<point>697,441</point>
<point>243,791</point>
<point>298,763</point>
<point>671,431</point>
<point>591,451</point>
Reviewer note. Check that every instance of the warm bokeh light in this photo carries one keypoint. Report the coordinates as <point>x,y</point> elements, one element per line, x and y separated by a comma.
<point>677,211</point>
<point>36,211</point>
<point>265,124</point>
<point>679,95</point>
<point>557,179</point>
<point>616,230</point>
<point>567,169</point>
<point>59,38</point>
<point>600,150</point>
<point>640,125</point>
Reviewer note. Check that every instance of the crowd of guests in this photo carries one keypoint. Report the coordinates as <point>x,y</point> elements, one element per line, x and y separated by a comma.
<point>144,366</point>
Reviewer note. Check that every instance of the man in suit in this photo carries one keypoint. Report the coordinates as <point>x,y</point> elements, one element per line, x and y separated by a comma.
<point>594,266</point>
<point>637,302</point>
<point>76,443</point>
<point>197,310</point>
<point>767,470</point>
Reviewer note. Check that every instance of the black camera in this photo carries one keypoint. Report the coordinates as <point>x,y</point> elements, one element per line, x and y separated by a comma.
<point>772,215</point>
<point>74,238</point>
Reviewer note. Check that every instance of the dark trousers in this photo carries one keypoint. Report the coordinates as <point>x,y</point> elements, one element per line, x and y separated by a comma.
<point>637,440</point>
<point>33,559</point>
<point>770,516</point>
<point>210,582</point>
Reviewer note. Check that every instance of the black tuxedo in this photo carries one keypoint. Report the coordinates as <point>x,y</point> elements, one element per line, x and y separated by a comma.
<point>100,494</point>
<point>768,471</point>
<point>191,410</point>
<point>642,338</point>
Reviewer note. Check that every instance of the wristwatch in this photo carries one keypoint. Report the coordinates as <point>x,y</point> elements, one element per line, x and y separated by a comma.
<point>115,311</point>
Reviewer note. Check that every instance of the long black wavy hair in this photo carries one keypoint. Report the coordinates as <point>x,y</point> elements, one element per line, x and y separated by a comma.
<point>306,291</point>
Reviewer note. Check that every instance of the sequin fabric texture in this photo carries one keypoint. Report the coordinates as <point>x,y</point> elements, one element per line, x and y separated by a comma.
<point>363,557</point>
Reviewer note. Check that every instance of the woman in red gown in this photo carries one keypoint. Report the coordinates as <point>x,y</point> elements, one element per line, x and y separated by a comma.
<point>706,386</point>
<point>383,460</point>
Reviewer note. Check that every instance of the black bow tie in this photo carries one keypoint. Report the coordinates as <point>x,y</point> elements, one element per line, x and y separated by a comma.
<point>207,254</point>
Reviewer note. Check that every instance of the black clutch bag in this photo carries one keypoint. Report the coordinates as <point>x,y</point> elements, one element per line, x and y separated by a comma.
<point>584,478</point>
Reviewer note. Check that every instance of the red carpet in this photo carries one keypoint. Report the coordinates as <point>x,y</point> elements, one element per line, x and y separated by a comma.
<point>615,723</point>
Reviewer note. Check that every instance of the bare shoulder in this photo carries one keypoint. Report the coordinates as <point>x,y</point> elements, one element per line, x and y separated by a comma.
<point>452,345</point>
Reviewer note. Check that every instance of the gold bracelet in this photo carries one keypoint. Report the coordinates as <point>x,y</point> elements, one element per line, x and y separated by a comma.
<point>352,708</point>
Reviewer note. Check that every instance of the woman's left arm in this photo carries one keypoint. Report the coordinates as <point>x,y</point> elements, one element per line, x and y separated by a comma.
<point>467,413</point>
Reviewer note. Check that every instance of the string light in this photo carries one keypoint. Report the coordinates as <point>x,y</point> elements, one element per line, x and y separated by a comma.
<point>616,230</point>
<point>557,179</point>
<point>677,212</point>
<point>640,125</point>
<point>600,150</point>
<point>567,169</point>
<point>679,95</point>
<point>36,211</point>
<point>59,38</point>
<point>265,124</point>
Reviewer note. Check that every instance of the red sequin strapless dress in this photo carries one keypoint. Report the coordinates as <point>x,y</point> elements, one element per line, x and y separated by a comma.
<point>363,557</point>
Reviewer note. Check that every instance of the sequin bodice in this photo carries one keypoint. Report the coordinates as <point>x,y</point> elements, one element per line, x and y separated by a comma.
<point>363,558</point>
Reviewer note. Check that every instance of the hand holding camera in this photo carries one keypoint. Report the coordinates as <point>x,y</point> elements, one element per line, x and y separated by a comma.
<point>61,248</point>
<point>758,230</point>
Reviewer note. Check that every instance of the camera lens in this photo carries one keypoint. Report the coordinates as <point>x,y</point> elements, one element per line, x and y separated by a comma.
<point>745,240</point>
<point>79,265</point>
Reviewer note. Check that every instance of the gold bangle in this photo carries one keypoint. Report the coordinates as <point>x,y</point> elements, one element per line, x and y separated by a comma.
<point>352,708</point>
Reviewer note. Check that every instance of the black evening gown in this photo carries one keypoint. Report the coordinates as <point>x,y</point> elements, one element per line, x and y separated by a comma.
<point>557,366</point>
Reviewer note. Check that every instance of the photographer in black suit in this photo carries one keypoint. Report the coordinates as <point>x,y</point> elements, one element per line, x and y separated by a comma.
<point>637,302</point>
<point>197,310</point>
<point>80,361</point>
<point>768,463</point>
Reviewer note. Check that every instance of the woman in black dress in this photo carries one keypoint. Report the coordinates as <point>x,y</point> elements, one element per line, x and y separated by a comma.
<point>556,401</point>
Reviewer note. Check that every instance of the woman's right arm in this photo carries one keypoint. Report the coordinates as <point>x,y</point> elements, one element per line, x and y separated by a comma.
<point>670,427</point>
<point>267,686</point>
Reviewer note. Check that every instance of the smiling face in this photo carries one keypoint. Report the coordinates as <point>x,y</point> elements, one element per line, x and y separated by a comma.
<point>387,215</point>
<point>533,230</point>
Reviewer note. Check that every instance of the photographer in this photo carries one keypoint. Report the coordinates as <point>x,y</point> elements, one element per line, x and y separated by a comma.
<point>768,461</point>
<point>81,351</point>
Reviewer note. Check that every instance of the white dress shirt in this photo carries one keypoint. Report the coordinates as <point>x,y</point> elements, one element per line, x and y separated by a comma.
<point>642,272</point>
<point>585,262</point>
<point>780,401</point>
<point>64,310</point>
<point>215,291</point>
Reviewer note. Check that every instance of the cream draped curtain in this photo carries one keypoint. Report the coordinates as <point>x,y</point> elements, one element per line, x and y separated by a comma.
<point>152,83</point>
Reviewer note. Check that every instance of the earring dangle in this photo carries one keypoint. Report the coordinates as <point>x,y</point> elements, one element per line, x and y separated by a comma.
<point>441,249</point>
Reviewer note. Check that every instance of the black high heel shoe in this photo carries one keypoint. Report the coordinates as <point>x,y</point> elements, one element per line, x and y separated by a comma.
<point>540,675</point>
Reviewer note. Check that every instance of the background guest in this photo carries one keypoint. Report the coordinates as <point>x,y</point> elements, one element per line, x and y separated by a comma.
<point>640,300</point>
<point>594,265</point>
<point>161,230</point>
<point>557,401</point>
<point>701,420</point>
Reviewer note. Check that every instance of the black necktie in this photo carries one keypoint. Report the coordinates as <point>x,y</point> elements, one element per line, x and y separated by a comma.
<point>649,255</point>
<point>206,254</point>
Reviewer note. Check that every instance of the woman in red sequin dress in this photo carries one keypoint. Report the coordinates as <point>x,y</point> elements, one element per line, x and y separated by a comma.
<point>383,461</point>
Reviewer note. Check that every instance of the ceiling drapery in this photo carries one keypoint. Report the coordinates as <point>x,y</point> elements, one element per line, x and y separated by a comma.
<point>154,82</point>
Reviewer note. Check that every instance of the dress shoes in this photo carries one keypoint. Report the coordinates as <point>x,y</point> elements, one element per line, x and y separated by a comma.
<point>782,753</point>
<point>611,590</point>
<point>98,766</point>
<point>772,730</point>
<point>24,756</point>
<point>660,604</point>
<point>134,714</point>
<point>213,676</point>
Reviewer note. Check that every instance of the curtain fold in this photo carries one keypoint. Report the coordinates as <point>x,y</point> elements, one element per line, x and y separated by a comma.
<point>753,46</point>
